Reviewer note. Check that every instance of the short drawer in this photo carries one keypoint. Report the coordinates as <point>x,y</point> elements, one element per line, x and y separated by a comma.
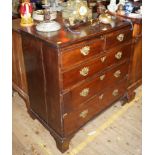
<point>82,51</point>
<point>77,96</point>
<point>89,68</point>
<point>92,108</point>
<point>117,38</point>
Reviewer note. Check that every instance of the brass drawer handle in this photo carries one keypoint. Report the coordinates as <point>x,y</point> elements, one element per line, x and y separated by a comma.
<point>115,92</point>
<point>84,92</point>
<point>84,113</point>
<point>101,96</point>
<point>65,115</point>
<point>120,37</point>
<point>85,50</point>
<point>84,71</point>
<point>103,59</point>
<point>102,77</point>
<point>117,73</point>
<point>102,37</point>
<point>118,55</point>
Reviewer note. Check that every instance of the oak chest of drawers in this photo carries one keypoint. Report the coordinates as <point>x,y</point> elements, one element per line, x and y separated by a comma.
<point>72,77</point>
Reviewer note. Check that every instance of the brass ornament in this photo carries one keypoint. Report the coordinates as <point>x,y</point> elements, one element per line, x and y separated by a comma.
<point>76,11</point>
<point>102,37</point>
<point>84,92</point>
<point>120,37</point>
<point>85,50</point>
<point>84,71</point>
<point>101,96</point>
<point>117,73</point>
<point>115,92</point>
<point>84,113</point>
<point>102,77</point>
<point>103,59</point>
<point>118,55</point>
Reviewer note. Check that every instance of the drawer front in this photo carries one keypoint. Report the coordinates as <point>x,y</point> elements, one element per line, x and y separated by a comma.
<point>85,70</point>
<point>117,38</point>
<point>81,52</point>
<point>78,95</point>
<point>92,108</point>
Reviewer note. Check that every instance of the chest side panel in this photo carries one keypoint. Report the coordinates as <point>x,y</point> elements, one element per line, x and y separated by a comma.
<point>33,59</point>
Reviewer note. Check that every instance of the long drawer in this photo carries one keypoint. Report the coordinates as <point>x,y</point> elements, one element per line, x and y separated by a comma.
<point>89,68</point>
<point>79,52</point>
<point>76,119</point>
<point>78,95</point>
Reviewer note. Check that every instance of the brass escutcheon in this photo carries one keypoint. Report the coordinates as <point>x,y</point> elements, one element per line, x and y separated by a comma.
<point>103,59</point>
<point>85,50</point>
<point>84,92</point>
<point>65,115</point>
<point>120,37</point>
<point>59,42</point>
<point>102,77</point>
<point>115,92</point>
<point>84,71</point>
<point>84,113</point>
<point>102,37</point>
<point>117,73</point>
<point>101,96</point>
<point>118,55</point>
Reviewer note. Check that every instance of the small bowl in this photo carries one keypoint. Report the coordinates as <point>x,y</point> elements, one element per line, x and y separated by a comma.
<point>39,15</point>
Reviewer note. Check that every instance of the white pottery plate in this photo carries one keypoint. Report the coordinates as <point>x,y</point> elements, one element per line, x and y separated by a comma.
<point>48,26</point>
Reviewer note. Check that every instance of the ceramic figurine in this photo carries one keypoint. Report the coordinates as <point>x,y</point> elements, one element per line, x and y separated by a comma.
<point>112,6</point>
<point>100,7</point>
<point>26,11</point>
<point>120,9</point>
<point>128,7</point>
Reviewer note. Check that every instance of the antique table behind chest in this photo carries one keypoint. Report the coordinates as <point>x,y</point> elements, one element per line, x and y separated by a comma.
<point>73,76</point>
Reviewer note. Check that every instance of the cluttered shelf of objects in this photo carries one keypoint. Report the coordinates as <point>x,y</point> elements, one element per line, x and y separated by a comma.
<point>80,54</point>
<point>88,10</point>
<point>75,14</point>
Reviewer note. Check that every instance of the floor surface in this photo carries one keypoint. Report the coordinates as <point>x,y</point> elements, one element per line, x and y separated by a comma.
<point>116,131</point>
